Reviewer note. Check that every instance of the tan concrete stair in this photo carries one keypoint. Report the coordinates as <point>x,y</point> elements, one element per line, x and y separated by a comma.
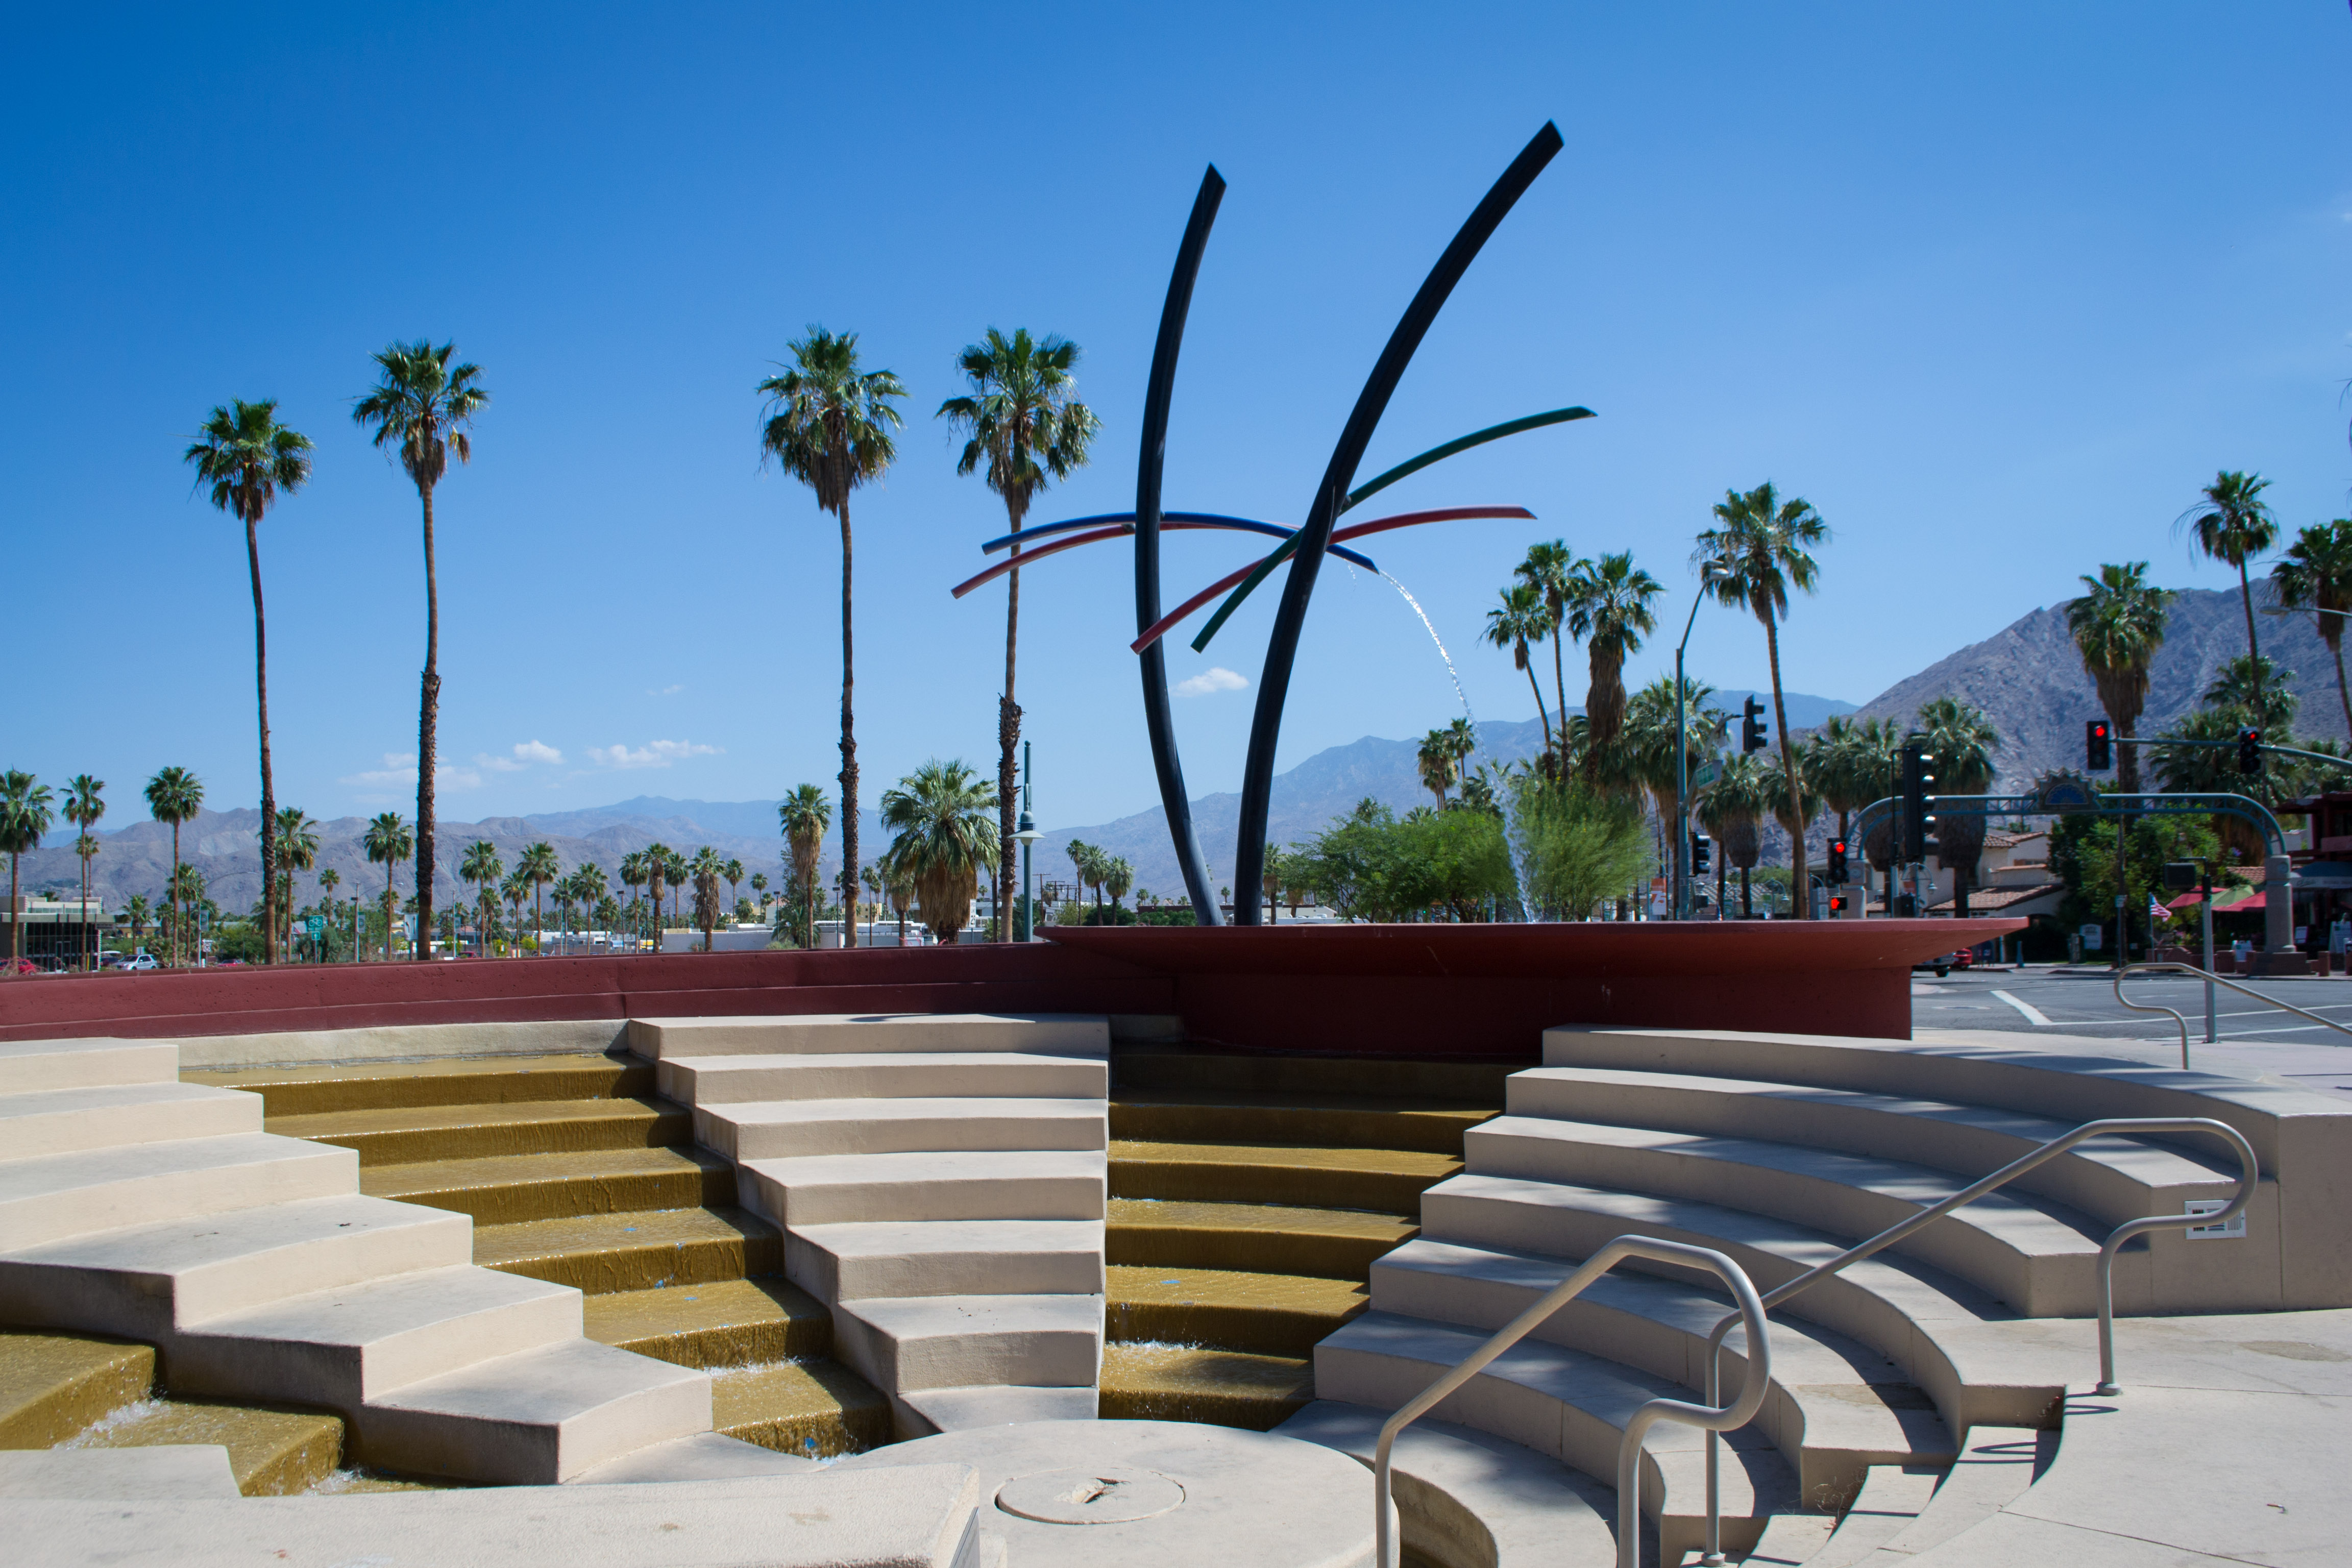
<point>1270,1239</point>
<point>706,1081</point>
<point>394,1135</point>
<point>52,1196</point>
<point>1268,1314</point>
<point>947,1257</point>
<point>30,1066</point>
<point>911,1342</point>
<point>633,1249</point>
<point>1995,1469</point>
<point>509,1189</point>
<point>1388,1180</point>
<point>829,1189</point>
<point>1067,1034</point>
<point>1929,1324</point>
<point>1153,1380</point>
<point>484,1080</point>
<point>1835,1408</point>
<point>1567,1404</point>
<point>68,1121</point>
<point>2039,1256</point>
<point>763,1130</point>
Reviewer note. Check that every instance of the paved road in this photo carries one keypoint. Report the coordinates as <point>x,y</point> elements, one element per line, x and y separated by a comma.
<point>2251,1037</point>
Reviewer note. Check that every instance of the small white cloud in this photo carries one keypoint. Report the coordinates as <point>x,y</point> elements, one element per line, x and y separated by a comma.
<point>1219,679</point>
<point>663,690</point>
<point>400,768</point>
<point>653,754</point>
<point>524,754</point>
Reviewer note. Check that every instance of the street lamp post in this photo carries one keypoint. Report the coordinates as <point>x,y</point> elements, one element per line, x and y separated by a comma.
<point>1707,574</point>
<point>1028,834</point>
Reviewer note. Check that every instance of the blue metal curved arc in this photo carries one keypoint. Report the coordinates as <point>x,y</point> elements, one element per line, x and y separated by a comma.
<point>1204,518</point>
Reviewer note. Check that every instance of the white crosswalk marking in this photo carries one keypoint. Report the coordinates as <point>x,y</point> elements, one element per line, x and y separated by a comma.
<point>2033,1015</point>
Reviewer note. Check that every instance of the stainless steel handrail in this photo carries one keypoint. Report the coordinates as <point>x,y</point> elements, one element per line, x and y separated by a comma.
<point>2169,967</point>
<point>1387,1536</point>
<point>2249,1174</point>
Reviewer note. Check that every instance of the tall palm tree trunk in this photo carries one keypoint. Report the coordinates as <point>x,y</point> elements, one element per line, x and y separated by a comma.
<point>848,752</point>
<point>1800,892</point>
<point>1008,748</point>
<point>428,716</point>
<point>1541,716</point>
<point>175,892</point>
<point>16,915</point>
<point>2335,646</point>
<point>268,791</point>
<point>1560,692</point>
<point>2253,651</point>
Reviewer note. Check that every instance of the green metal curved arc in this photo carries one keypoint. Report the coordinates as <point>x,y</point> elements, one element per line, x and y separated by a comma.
<point>1460,444</point>
<point>1283,551</point>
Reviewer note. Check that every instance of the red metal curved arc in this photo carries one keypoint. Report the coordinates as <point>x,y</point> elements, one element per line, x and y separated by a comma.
<point>1030,557</point>
<point>1160,628</point>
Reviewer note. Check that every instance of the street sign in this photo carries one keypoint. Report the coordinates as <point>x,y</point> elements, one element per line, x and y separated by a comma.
<point>2093,938</point>
<point>315,926</point>
<point>1707,774</point>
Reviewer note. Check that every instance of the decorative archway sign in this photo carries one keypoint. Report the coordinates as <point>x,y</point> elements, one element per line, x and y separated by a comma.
<point>1302,548</point>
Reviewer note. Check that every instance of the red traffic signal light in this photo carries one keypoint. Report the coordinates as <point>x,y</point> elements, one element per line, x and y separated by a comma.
<point>1837,866</point>
<point>2250,751</point>
<point>2098,746</point>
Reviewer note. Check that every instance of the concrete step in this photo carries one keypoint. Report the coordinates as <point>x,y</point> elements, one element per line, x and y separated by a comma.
<point>827,1189</point>
<point>1333,1120</point>
<point>1044,1033</point>
<point>343,1347</point>
<point>1946,1336</point>
<point>508,1189</point>
<point>1835,1409</point>
<point>399,1135</point>
<point>147,1283</point>
<point>65,1121</point>
<point>537,1417</point>
<point>54,1385</point>
<point>1992,1471</point>
<point>1570,1405</point>
<point>784,1129</point>
<point>1387,1180</point>
<point>947,1257</point>
<point>481,1080</point>
<point>1154,1381</point>
<point>2113,1179</point>
<point>702,1081</point>
<point>1270,1314</point>
<point>1465,1496</point>
<point>1890,1500</point>
<point>718,1323</point>
<point>2035,1255</point>
<point>1790,1541</point>
<point>817,1408</point>
<point>57,1196</point>
<point>1270,1239</point>
<point>27,1067</point>
<point>647,1250</point>
<point>960,1409</point>
<point>162,1474</point>
<point>900,1343</point>
<point>271,1453</point>
<point>703,1456</point>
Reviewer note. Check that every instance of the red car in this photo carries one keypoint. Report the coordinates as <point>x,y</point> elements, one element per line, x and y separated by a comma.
<point>18,966</point>
<point>1943,964</point>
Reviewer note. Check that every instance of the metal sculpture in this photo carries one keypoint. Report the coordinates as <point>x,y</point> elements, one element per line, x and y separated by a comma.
<point>1304,547</point>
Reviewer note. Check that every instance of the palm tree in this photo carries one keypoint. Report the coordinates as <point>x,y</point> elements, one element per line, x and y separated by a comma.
<point>1730,809</point>
<point>420,407</point>
<point>563,899</point>
<point>1023,422</point>
<point>85,804</point>
<point>706,869</point>
<point>539,865</point>
<point>516,890</point>
<point>2317,576</point>
<point>2254,691</point>
<point>1117,878</point>
<point>1518,620</point>
<point>633,877</point>
<point>297,850</point>
<point>26,812</point>
<point>388,841</point>
<point>249,459</point>
<point>1961,740</point>
<point>939,814</point>
<point>1608,611</point>
<point>2117,627</point>
<point>829,426</point>
<point>760,891</point>
<point>328,878</point>
<point>1806,799</point>
<point>658,857</point>
<point>141,912</point>
<point>1081,854</point>
<point>898,887</point>
<point>188,902</point>
<point>2233,523</point>
<point>1439,767</point>
<point>1646,745</point>
<point>1763,547</point>
<point>588,891</point>
<point>1547,570</point>
<point>480,864</point>
<point>173,796</point>
<point>675,871</point>
<point>733,871</point>
<point>804,814</point>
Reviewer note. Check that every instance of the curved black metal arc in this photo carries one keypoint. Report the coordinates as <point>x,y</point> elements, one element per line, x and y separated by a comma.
<point>1150,461</point>
<point>1206,518</point>
<point>1380,482</point>
<point>1315,533</point>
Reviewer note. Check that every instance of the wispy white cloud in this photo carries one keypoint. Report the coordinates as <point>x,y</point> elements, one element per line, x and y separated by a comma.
<point>1218,678</point>
<point>653,754</point>
<point>400,768</point>
<point>523,754</point>
<point>663,690</point>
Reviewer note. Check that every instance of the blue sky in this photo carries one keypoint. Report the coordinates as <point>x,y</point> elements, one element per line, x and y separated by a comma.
<point>1996,287</point>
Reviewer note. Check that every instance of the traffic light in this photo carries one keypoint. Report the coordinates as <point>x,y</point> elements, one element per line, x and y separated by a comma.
<point>2098,746</point>
<point>1839,904</point>
<point>1837,875</point>
<point>1702,854</point>
<point>1917,820</point>
<point>1751,726</point>
<point>2250,751</point>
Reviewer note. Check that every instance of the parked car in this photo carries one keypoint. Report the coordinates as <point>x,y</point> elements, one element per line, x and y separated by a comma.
<point>139,960</point>
<point>18,966</point>
<point>1943,964</point>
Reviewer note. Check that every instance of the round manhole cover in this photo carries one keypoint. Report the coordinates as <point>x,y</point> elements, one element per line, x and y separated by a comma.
<point>1108,1495</point>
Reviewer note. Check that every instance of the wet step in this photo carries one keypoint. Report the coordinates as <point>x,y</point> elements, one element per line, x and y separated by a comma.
<point>722,1323</point>
<point>316,1091</point>
<point>1332,1243</point>
<point>1386,1180</point>
<point>815,1408</point>
<point>642,1250</point>
<point>1186,1070</point>
<point>54,1385</point>
<point>508,1189</point>
<point>1335,1121</point>
<point>1160,1382</point>
<point>1266,1314</point>
<point>404,1134</point>
<point>272,1452</point>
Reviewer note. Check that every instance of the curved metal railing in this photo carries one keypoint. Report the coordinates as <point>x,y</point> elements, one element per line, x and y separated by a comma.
<point>2211,978</point>
<point>2249,1173</point>
<point>1386,1534</point>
